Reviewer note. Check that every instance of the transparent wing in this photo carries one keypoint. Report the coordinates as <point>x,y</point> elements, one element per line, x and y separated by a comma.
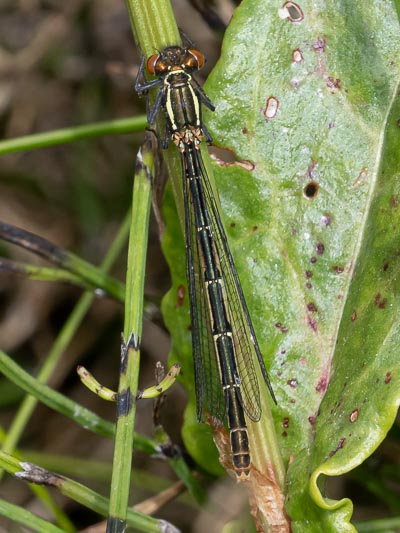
<point>209,395</point>
<point>245,341</point>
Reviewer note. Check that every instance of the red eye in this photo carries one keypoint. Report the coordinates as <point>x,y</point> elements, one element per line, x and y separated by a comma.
<point>199,58</point>
<point>151,64</point>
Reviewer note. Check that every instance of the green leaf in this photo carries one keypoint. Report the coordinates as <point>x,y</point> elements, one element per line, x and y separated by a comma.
<point>312,218</point>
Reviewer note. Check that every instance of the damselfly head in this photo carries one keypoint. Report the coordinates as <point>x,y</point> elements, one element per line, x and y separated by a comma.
<point>175,58</point>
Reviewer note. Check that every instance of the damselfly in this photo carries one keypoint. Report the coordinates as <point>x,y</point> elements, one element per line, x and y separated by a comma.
<point>224,342</point>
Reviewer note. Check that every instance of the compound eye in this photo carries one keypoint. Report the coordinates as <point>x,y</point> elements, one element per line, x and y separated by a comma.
<point>197,60</point>
<point>151,64</point>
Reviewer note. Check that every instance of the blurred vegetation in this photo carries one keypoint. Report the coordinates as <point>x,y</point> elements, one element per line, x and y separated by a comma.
<point>64,65</point>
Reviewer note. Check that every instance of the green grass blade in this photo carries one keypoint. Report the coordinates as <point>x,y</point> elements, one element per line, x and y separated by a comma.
<point>77,492</point>
<point>64,405</point>
<point>130,357</point>
<point>26,518</point>
<point>77,133</point>
<point>80,272</point>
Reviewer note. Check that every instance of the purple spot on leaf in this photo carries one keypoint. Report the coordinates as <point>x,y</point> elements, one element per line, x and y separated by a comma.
<point>322,384</point>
